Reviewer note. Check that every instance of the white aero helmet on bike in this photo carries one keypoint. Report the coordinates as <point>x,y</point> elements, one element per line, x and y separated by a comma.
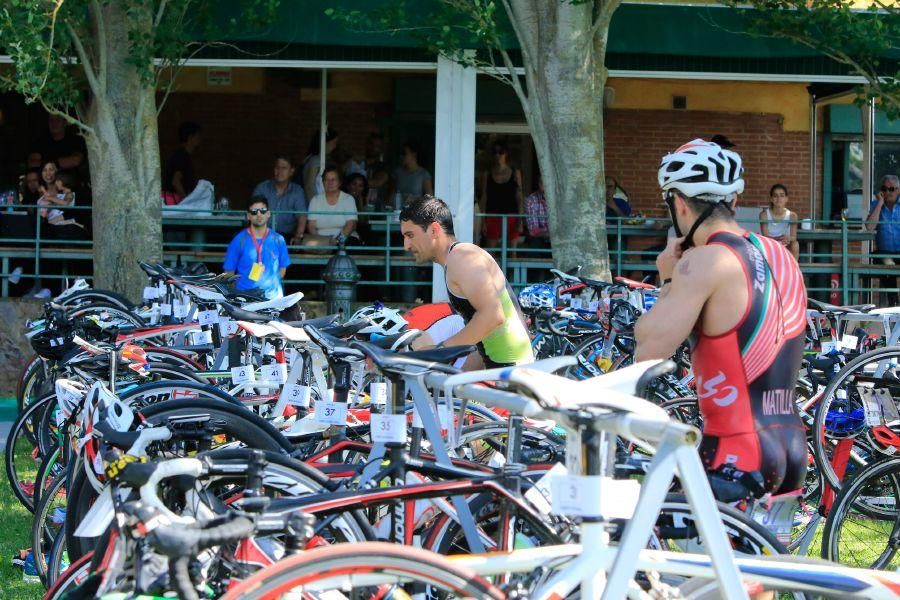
<point>384,320</point>
<point>702,171</point>
<point>539,295</point>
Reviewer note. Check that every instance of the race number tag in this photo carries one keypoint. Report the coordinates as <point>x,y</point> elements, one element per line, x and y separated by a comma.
<point>331,413</point>
<point>444,417</point>
<point>593,306</point>
<point>198,338</point>
<point>242,374</point>
<point>849,341</point>
<point>151,293</point>
<point>576,495</point>
<point>227,328</point>
<point>165,310</point>
<point>576,303</point>
<point>180,310</point>
<point>888,407</point>
<point>388,428</point>
<point>297,395</point>
<point>274,373</point>
<point>378,392</point>
<point>573,452</point>
<point>161,286</point>
<point>208,317</point>
<point>778,515</point>
<point>871,406</point>
<point>828,348</point>
<point>540,494</point>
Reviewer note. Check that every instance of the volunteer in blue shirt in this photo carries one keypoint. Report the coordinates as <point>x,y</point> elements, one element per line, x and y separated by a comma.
<point>258,254</point>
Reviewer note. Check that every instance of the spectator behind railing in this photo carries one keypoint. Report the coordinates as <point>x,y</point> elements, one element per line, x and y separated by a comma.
<point>536,218</point>
<point>779,223</point>
<point>332,212</point>
<point>884,218</point>
<point>285,197</point>
<point>30,189</point>
<point>55,194</point>
<point>309,174</point>
<point>178,177</point>
<point>411,181</point>
<point>617,204</point>
<point>501,193</point>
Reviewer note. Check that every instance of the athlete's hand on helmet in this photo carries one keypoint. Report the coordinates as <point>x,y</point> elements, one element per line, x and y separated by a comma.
<point>668,258</point>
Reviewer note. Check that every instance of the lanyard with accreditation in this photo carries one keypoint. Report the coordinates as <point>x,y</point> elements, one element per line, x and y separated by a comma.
<point>258,267</point>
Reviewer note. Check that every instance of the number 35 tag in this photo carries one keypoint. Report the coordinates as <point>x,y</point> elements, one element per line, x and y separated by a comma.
<point>388,428</point>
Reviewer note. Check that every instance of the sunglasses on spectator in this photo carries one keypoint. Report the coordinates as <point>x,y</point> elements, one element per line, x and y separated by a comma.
<point>258,211</point>
<point>885,188</point>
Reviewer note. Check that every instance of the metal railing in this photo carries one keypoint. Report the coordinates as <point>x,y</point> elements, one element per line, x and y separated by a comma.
<point>834,255</point>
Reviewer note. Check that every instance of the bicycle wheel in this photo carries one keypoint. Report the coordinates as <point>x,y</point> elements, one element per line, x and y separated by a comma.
<point>676,531</point>
<point>34,382</point>
<point>77,299</point>
<point>859,538</point>
<point>108,312</point>
<point>21,455</point>
<point>840,413</point>
<point>684,410</point>
<point>49,519</point>
<point>70,579</point>
<point>58,560</point>
<point>367,570</point>
<point>481,441</point>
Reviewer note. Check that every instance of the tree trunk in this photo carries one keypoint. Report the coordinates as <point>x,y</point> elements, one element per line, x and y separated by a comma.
<point>565,77</point>
<point>123,153</point>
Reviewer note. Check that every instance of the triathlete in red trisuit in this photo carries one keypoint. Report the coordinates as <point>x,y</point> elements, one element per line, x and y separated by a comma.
<point>741,301</point>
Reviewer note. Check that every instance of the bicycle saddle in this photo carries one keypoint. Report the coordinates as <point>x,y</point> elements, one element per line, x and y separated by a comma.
<point>123,440</point>
<point>401,340</point>
<point>831,308</point>
<point>318,322</point>
<point>347,329</point>
<point>433,359</point>
<point>239,314</point>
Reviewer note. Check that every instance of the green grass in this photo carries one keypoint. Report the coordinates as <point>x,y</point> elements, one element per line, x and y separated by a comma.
<point>15,534</point>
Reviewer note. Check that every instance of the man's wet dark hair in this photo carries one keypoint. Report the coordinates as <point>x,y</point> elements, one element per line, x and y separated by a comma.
<point>427,210</point>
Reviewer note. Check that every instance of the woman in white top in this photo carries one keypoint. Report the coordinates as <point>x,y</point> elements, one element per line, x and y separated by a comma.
<point>777,222</point>
<point>331,213</point>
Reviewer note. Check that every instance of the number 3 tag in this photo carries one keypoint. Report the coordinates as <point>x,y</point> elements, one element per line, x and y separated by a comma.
<point>331,413</point>
<point>388,428</point>
<point>297,395</point>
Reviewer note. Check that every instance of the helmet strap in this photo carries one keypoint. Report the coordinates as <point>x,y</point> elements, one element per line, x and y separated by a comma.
<point>689,237</point>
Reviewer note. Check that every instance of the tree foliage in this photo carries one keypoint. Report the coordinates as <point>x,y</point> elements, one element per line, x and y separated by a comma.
<point>61,54</point>
<point>863,36</point>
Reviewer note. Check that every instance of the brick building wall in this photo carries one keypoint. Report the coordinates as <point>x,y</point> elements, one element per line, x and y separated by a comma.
<point>636,139</point>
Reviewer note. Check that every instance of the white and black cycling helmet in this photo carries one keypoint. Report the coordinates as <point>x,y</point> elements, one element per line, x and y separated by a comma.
<point>702,170</point>
<point>384,320</point>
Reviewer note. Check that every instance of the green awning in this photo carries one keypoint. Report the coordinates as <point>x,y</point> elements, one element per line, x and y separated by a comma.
<point>643,37</point>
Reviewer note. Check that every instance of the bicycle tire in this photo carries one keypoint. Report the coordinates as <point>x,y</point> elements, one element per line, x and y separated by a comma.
<point>42,535</point>
<point>400,563</point>
<point>72,577</point>
<point>55,560</point>
<point>843,517</point>
<point>821,453</point>
<point>76,299</point>
<point>105,311</point>
<point>16,444</point>
<point>539,446</point>
<point>248,426</point>
<point>32,382</point>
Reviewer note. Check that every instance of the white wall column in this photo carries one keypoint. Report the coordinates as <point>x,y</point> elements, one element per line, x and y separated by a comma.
<point>454,153</point>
